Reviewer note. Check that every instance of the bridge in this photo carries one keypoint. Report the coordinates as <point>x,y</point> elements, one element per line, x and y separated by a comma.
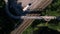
<point>36,4</point>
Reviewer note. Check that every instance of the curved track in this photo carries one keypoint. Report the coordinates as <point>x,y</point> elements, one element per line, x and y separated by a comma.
<point>28,22</point>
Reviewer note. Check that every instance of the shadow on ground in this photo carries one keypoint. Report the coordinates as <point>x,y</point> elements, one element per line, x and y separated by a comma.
<point>45,30</point>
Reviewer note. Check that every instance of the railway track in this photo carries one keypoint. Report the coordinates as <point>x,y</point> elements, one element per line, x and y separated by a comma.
<point>28,22</point>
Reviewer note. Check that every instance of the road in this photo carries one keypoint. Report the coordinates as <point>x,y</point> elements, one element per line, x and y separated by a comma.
<point>27,22</point>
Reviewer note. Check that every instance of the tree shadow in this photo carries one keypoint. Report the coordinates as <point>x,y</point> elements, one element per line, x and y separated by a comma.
<point>54,21</point>
<point>45,30</point>
<point>36,22</point>
<point>7,24</point>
